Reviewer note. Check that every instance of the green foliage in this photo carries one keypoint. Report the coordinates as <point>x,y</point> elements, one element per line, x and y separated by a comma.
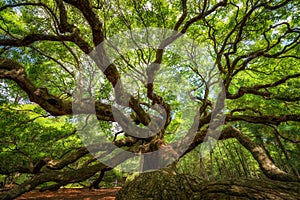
<point>227,160</point>
<point>251,47</point>
<point>28,135</point>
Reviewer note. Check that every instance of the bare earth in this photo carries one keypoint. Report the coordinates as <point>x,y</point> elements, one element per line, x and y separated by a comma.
<point>74,194</point>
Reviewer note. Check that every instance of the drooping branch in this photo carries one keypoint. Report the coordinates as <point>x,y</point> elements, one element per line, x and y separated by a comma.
<point>96,182</point>
<point>266,164</point>
<point>79,153</point>
<point>256,88</point>
<point>29,39</point>
<point>54,105</point>
<point>68,176</point>
<point>268,119</point>
<point>64,177</point>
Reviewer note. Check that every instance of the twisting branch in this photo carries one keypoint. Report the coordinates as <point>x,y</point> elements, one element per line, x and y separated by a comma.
<point>283,137</point>
<point>29,39</point>
<point>255,89</point>
<point>266,164</point>
<point>96,25</point>
<point>63,26</point>
<point>269,119</point>
<point>183,15</point>
<point>54,105</point>
<point>202,15</point>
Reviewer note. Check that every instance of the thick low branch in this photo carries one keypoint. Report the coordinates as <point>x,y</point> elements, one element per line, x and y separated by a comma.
<point>256,88</point>
<point>267,166</point>
<point>265,163</point>
<point>57,176</point>
<point>79,153</point>
<point>29,39</point>
<point>269,119</point>
<point>62,177</point>
<point>54,105</point>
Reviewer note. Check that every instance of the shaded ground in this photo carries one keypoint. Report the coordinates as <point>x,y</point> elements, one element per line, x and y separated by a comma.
<point>74,194</point>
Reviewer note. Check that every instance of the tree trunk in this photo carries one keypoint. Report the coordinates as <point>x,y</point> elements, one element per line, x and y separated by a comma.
<point>164,185</point>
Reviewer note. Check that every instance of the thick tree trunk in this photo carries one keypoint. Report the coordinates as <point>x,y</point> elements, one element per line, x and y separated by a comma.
<point>165,185</point>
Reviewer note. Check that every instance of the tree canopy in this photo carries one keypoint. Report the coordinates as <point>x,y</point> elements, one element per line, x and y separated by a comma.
<point>89,85</point>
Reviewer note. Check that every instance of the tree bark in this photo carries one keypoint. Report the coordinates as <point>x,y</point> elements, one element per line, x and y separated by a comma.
<point>163,185</point>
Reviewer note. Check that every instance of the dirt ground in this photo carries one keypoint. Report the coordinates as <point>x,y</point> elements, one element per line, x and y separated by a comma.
<point>74,194</point>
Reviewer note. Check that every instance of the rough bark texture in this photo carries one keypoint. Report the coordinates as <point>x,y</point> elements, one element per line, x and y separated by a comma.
<point>165,185</point>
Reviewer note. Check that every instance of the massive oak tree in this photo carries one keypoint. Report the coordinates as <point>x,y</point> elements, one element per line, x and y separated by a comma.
<point>253,46</point>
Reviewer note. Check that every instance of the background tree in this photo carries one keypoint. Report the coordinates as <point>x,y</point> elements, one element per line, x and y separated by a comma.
<point>254,46</point>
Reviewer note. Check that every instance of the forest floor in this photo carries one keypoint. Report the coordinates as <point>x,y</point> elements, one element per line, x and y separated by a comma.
<point>72,194</point>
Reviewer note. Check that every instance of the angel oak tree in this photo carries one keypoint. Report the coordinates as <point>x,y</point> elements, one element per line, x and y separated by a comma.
<point>253,45</point>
